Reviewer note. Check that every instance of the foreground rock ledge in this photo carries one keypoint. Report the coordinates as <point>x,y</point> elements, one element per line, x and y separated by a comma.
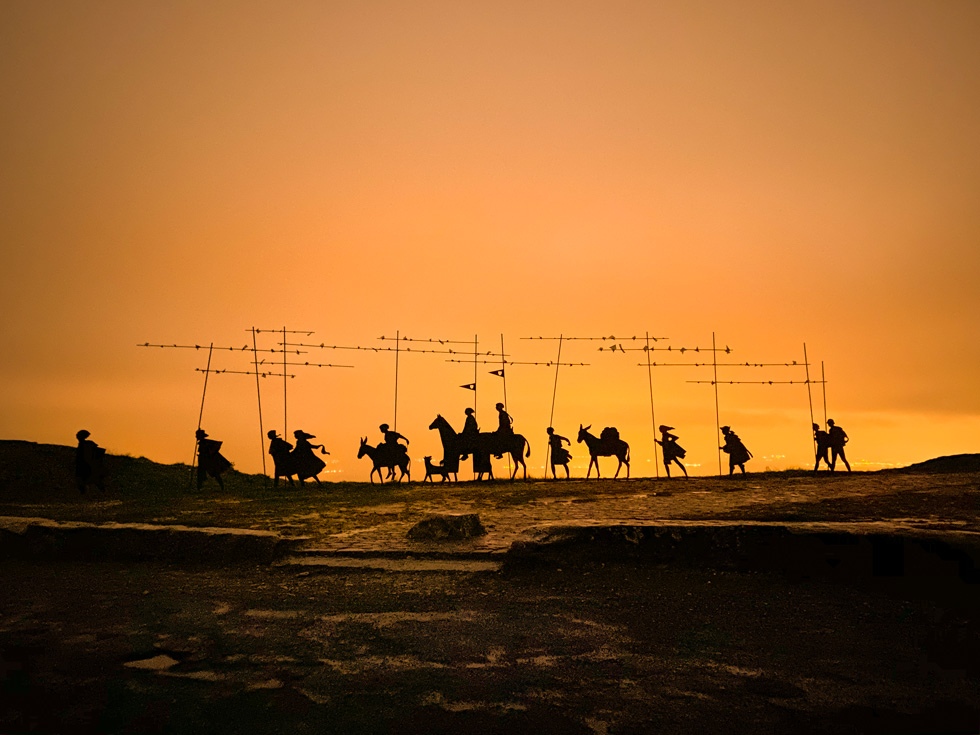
<point>819,550</point>
<point>41,537</point>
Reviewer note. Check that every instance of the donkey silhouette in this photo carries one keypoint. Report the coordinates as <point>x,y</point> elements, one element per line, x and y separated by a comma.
<point>607,444</point>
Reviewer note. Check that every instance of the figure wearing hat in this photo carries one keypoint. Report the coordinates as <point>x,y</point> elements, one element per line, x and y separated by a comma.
<point>280,450</point>
<point>737,452</point>
<point>89,462</point>
<point>559,455</point>
<point>470,434</point>
<point>209,459</point>
<point>838,438</point>
<point>672,451</point>
<point>304,462</point>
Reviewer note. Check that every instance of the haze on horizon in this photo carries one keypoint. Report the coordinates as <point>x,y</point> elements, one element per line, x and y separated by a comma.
<point>774,174</point>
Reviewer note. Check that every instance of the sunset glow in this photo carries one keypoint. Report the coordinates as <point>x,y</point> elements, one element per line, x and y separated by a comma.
<point>768,175</point>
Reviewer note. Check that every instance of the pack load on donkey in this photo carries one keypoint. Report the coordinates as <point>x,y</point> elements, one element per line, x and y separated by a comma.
<point>607,444</point>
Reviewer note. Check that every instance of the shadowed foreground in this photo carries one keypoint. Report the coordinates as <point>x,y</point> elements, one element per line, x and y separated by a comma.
<point>571,638</point>
<point>581,647</point>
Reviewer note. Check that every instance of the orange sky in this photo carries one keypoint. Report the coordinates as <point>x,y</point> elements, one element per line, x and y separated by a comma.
<point>774,173</point>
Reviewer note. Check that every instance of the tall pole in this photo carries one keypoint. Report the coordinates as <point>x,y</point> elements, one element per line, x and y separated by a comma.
<point>503,369</point>
<point>554,394</point>
<point>475,348</point>
<point>653,415</point>
<point>258,393</point>
<point>503,375</point>
<point>714,359</point>
<point>397,343</point>
<point>285,425</point>
<point>823,384</point>
<point>200,416</point>
<point>809,396</point>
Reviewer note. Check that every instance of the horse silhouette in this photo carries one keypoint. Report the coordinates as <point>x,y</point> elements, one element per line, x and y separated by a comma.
<point>382,457</point>
<point>607,445</point>
<point>487,443</point>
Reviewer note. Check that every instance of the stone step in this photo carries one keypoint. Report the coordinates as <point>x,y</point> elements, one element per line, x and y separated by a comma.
<point>388,563</point>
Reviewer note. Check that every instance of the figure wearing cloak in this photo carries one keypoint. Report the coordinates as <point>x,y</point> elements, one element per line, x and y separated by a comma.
<point>280,450</point>
<point>304,462</point>
<point>210,461</point>
<point>89,462</point>
<point>559,455</point>
<point>672,451</point>
<point>737,452</point>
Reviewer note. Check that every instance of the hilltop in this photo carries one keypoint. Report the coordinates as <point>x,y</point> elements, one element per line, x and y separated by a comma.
<point>33,470</point>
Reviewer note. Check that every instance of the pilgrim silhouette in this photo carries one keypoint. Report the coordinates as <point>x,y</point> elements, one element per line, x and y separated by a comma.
<point>470,434</point>
<point>210,461</point>
<point>505,426</point>
<point>838,438</point>
<point>672,451</point>
<point>487,443</point>
<point>303,460</point>
<point>387,455</point>
<point>737,452</point>
<point>89,462</point>
<point>559,455</point>
<point>822,438</point>
<point>280,450</point>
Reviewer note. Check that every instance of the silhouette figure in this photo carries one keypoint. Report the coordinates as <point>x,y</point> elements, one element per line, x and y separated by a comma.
<point>559,455</point>
<point>432,470</point>
<point>392,446</point>
<point>302,459</point>
<point>89,463</point>
<point>209,459</point>
<point>505,425</point>
<point>487,443</point>
<point>383,456</point>
<point>737,452</point>
<point>607,444</point>
<point>672,451</point>
<point>838,438</point>
<point>822,438</point>
<point>280,449</point>
<point>470,434</point>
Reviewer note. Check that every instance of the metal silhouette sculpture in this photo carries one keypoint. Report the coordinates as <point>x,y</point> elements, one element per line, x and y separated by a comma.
<point>838,438</point>
<point>210,461</point>
<point>281,450</point>
<point>470,434</point>
<point>486,443</point>
<point>671,450</point>
<point>89,463</point>
<point>822,440</point>
<point>738,453</point>
<point>303,460</point>
<point>432,470</point>
<point>607,444</point>
<point>559,455</point>
<point>386,456</point>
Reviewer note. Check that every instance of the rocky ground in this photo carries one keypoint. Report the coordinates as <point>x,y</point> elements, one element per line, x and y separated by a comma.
<point>426,636</point>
